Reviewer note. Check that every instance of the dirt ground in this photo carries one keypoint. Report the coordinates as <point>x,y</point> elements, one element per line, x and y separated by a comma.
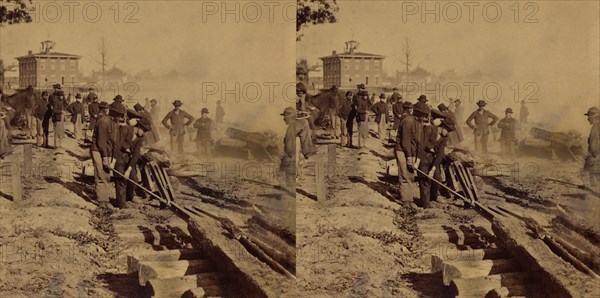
<point>361,241</point>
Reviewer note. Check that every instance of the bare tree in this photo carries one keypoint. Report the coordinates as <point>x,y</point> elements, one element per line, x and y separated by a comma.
<point>103,53</point>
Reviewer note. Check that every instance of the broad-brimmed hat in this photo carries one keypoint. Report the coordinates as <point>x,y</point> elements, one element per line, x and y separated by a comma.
<point>349,93</point>
<point>103,105</point>
<point>361,86</point>
<point>508,110</point>
<point>177,103</point>
<point>422,98</point>
<point>144,124</point>
<point>407,105</point>
<point>481,103</point>
<point>77,95</point>
<point>118,98</point>
<point>382,95</point>
<point>593,111</point>
<point>288,112</point>
<point>204,111</point>
<point>138,107</point>
<point>56,86</point>
<point>442,107</point>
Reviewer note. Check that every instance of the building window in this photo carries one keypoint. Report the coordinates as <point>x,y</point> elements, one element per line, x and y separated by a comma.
<point>377,80</point>
<point>367,80</point>
<point>368,65</point>
<point>52,64</point>
<point>62,65</point>
<point>377,65</point>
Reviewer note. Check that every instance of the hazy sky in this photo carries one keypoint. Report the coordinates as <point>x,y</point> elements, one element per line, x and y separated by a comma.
<point>174,35</point>
<point>559,53</point>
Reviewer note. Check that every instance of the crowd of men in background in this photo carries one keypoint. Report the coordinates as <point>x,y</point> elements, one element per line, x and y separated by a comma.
<point>422,134</point>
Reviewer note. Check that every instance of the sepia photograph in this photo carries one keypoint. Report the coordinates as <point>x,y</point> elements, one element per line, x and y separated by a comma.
<point>142,148</point>
<point>423,148</point>
<point>457,148</point>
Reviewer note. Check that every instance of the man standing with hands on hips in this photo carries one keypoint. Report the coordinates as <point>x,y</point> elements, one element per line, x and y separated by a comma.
<point>176,122</point>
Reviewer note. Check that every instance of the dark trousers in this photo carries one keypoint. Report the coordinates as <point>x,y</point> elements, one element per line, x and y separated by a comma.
<point>350,128</point>
<point>124,189</point>
<point>428,190</point>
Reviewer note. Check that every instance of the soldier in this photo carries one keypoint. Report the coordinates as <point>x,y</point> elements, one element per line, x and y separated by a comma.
<point>397,110</point>
<point>179,120</point>
<point>102,111</point>
<point>395,97</point>
<point>455,136</point>
<point>102,149</point>
<point>42,120</point>
<point>523,114</point>
<point>152,136</point>
<point>154,109</point>
<point>508,138</point>
<point>481,129</point>
<point>4,146</point>
<point>91,96</point>
<point>592,160</point>
<point>203,134</point>
<point>220,114</point>
<point>122,149</point>
<point>57,105</point>
<point>140,131</point>
<point>117,102</point>
<point>93,110</point>
<point>76,111</point>
<point>431,149</point>
<point>381,115</point>
<point>295,128</point>
<point>362,104</point>
<point>405,151</point>
<point>344,111</point>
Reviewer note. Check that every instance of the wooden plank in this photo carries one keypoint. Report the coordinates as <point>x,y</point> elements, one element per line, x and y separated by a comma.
<point>133,261</point>
<point>452,254</point>
<point>161,183</point>
<point>148,178</point>
<point>169,185</point>
<point>17,187</point>
<point>473,185</point>
<point>463,182</point>
<point>169,269</point>
<point>468,181</point>
<point>320,169</point>
<point>27,160</point>
<point>468,269</point>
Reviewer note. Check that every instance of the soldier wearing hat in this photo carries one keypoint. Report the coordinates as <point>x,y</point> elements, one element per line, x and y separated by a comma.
<point>104,142</point>
<point>57,104</point>
<point>508,127</point>
<point>397,109</point>
<point>481,128</point>
<point>117,102</point>
<point>592,160</point>
<point>152,136</point>
<point>176,122</point>
<point>346,114</point>
<point>91,96</point>
<point>4,145</point>
<point>296,128</point>
<point>431,150</point>
<point>454,137</point>
<point>220,114</point>
<point>42,114</point>
<point>203,134</point>
<point>405,150</point>
<point>381,115</point>
<point>131,158</point>
<point>76,111</point>
<point>362,103</point>
<point>395,97</point>
<point>93,109</point>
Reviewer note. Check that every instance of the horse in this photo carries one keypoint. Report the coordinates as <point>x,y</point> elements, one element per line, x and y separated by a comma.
<point>328,103</point>
<point>23,102</point>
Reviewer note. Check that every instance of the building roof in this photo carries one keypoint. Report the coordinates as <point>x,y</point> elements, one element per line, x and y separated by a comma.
<point>48,55</point>
<point>353,55</point>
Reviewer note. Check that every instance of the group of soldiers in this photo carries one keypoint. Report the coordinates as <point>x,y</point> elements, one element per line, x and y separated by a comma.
<point>423,133</point>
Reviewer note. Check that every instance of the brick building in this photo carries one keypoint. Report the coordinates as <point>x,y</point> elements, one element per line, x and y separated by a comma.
<point>350,68</point>
<point>45,68</point>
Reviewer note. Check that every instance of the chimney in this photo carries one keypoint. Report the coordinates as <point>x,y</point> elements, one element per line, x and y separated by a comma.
<point>334,52</point>
<point>30,52</point>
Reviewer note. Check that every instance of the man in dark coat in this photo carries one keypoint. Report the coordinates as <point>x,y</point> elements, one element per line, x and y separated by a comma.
<point>395,97</point>
<point>381,115</point>
<point>431,150</point>
<point>592,160</point>
<point>344,110</point>
<point>406,150</point>
<point>122,149</point>
<point>397,110</point>
<point>93,110</point>
<point>481,128</point>
<point>508,138</point>
<point>129,164</point>
<point>42,120</point>
<point>176,122</point>
<point>454,137</point>
<point>152,136</point>
<point>203,134</point>
<point>57,104</point>
<point>76,111</point>
<point>362,103</point>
